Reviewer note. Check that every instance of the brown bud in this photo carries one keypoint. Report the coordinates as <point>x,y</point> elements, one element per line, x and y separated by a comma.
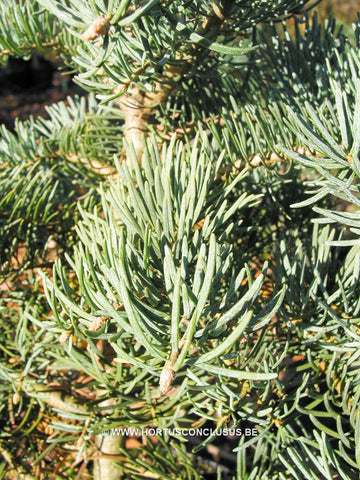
<point>65,335</point>
<point>96,324</point>
<point>120,88</point>
<point>16,398</point>
<point>100,26</point>
<point>217,11</point>
<point>166,378</point>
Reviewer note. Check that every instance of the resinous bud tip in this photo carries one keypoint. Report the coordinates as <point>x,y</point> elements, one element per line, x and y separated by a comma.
<point>100,26</point>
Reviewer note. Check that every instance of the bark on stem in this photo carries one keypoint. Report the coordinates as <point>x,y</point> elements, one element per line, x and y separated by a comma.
<point>136,118</point>
<point>106,468</point>
<point>138,106</point>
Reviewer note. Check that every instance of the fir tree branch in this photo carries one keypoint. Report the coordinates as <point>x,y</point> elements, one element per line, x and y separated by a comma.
<point>29,47</point>
<point>54,398</point>
<point>138,106</point>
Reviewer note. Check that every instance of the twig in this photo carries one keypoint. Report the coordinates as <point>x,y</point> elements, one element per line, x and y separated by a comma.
<point>54,398</point>
<point>31,46</point>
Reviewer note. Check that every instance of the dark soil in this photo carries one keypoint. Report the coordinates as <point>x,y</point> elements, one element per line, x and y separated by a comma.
<point>27,87</point>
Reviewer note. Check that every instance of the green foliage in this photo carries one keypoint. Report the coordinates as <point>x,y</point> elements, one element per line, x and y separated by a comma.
<point>208,278</point>
<point>144,39</point>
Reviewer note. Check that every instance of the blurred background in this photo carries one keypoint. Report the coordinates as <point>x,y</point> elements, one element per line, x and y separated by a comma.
<point>343,10</point>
